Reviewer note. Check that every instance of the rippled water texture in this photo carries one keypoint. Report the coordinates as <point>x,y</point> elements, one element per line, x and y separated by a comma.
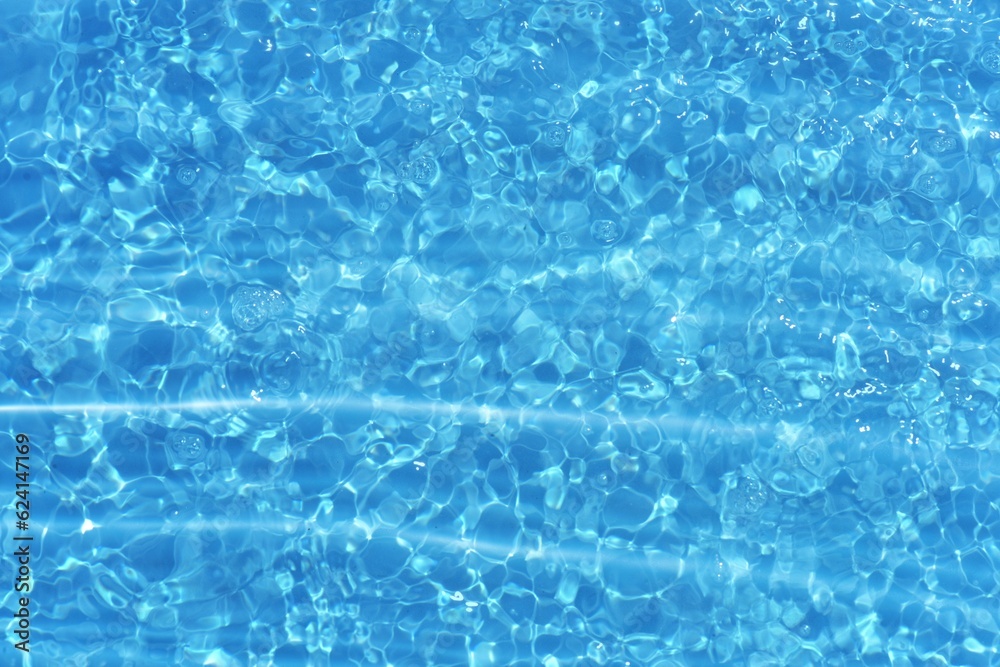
<point>493,333</point>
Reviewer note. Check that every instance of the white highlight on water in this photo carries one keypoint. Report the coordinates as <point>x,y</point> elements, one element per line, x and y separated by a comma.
<point>401,407</point>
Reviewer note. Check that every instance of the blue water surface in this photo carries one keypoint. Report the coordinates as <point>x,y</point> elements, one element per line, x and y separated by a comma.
<point>502,333</point>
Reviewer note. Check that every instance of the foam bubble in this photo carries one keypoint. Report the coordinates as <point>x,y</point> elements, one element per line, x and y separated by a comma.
<point>186,447</point>
<point>989,60</point>
<point>749,496</point>
<point>555,135</point>
<point>186,176</point>
<point>253,305</point>
<point>281,371</point>
<point>927,185</point>
<point>606,232</point>
<point>943,143</point>
<point>422,170</point>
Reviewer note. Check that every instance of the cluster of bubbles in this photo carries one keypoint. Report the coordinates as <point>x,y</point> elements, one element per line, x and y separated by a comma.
<point>749,496</point>
<point>187,175</point>
<point>990,60</point>
<point>186,448</point>
<point>281,371</point>
<point>927,184</point>
<point>556,134</point>
<point>255,305</point>
<point>606,232</point>
<point>943,143</point>
<point>422,170</point>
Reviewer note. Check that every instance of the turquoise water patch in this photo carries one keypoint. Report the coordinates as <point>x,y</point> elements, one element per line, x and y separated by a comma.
<point>501,333</point>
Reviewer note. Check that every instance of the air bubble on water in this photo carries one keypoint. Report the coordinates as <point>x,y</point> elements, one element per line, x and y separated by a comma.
<point>412,34</point>
<point>187,447</point>
<point>430,334</point>
<point>718,569</point>
<point>749,496</point>
<point>848,47</point>
<point>385,202</point>
<point>555,135</point>
<point>253,305</point>
<point>927,184</point>
<point>280,371</point>
<point>770,404</point>
<point>419,107</point>
<point>990,60</point>
<point>943,143</point>
<point>605,232</point>
<point>810,457</point>
<point>187,175</point>
<point>422,170</point>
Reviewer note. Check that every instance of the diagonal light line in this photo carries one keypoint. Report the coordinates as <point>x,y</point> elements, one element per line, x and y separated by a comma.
<point>67,408</point>
<point>469,413</point>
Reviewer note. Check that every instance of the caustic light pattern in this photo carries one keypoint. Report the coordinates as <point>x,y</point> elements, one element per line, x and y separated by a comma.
<point>504,333</point>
